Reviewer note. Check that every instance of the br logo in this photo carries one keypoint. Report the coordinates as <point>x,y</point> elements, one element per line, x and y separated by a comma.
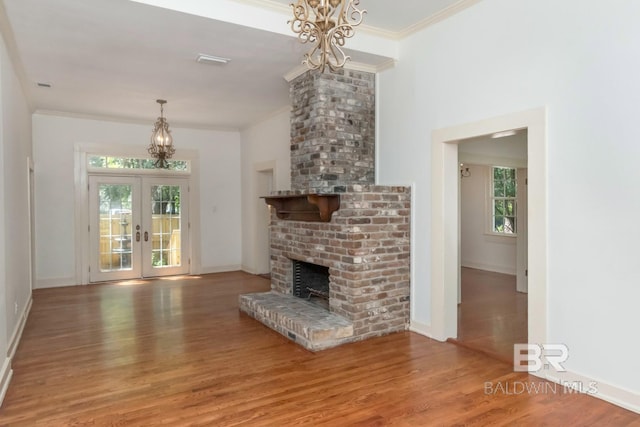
<point>534,357</point>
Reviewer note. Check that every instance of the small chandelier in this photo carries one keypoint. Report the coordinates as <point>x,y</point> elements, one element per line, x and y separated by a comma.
<point>161,147</point>
<point>325,24</point>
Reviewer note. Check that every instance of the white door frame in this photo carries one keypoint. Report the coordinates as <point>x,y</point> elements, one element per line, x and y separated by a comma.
<point>32,224</point>
<point>445,213</point>
<point>81,177</point>
<point>523,232</point>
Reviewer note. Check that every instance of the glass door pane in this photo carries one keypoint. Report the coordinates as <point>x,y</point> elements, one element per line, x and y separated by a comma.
<point>165,221</point>
<point>165,226</point>
<point>115,229</point>
<point>114,219</point>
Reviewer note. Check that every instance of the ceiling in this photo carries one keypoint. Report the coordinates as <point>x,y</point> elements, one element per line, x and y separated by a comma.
<point>492,150</point>
<point>113,58</point>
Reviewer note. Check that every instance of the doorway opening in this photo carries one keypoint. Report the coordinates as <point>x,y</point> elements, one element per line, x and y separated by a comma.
<point>264,187</point>
<point>138,227</point>
<point>492,300</point>
<point>172,245</point>
<point>445,230</point>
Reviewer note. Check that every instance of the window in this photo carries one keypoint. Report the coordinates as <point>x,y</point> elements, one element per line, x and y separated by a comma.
<point>108,162</point>
<point>503,200</point>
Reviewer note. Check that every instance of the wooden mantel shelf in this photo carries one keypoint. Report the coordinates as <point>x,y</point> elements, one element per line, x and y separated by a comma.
<point>305,207</point>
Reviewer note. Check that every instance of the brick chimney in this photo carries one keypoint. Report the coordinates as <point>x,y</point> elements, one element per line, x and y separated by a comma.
<point>332,131</point>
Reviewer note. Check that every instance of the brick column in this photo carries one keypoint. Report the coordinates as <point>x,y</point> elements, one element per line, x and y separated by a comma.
<point>332,131</point>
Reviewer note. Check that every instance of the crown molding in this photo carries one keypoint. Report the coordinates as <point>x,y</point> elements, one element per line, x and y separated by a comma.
<point>438,17</point>
<point>295,72</point>
<point>368,68</point>
<point>380,32</point>
<point>350,65</point>
<point>129,120</point>
<point>376,31</point>
<point>386,65</point>
<point>286,10</point>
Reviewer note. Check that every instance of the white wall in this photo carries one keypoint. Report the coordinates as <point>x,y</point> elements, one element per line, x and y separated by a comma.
<point>4,323</point>
<point>15,149</point>
<point>54,138</point>
<point>478,249</point>
<point>581,61</point>
<point>265,145</point>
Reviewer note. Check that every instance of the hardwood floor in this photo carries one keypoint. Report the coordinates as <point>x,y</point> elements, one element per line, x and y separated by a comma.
<point>178,352</point>
<point>492,316</point>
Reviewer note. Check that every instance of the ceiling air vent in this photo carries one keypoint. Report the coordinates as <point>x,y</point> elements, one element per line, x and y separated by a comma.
<point>210,59</point>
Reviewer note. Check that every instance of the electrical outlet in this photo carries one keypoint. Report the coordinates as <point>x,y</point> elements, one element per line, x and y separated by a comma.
<point>15,308</point>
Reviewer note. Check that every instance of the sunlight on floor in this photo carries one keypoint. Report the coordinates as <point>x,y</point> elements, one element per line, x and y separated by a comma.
<point>151,279</point>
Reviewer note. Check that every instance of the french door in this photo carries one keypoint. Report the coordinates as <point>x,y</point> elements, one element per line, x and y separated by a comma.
<point>138,227</point>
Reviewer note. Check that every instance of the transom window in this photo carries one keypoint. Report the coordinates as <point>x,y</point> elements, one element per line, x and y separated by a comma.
<point>109,162</point>
<point>503,200</point>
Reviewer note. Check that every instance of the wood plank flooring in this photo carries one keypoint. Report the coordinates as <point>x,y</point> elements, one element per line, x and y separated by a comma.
<point>178,352</point>
<point>492,316</point>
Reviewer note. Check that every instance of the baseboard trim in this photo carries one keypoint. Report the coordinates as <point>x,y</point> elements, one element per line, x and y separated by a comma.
<point>5,378</point>
<point>248,269</point>
<point>618,396</point>
<point>420,328</point>
<point>7,372</point>
<point>17,333</point>
<point>55,283</point>
<point>221,269</point>
<point>493,268</point>
<point>251,270</point>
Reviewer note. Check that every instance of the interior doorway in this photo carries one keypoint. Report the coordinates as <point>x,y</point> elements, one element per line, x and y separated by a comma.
<point>492,309</point>
<point>264,187</point>
<point>445,233</point>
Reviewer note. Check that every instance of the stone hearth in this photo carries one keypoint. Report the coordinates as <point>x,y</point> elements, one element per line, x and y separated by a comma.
<point>307,324</point>
<point>365,244</point>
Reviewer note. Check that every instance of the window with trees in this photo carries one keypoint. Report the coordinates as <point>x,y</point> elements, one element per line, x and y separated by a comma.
<point>110,162</point>
<point>503,200</point>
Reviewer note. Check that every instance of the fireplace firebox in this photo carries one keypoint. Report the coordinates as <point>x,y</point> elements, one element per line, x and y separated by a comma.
<point>311,282</point>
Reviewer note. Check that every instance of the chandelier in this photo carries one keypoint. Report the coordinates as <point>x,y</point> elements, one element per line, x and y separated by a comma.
<point>161,147</point>
<point>326,24</point>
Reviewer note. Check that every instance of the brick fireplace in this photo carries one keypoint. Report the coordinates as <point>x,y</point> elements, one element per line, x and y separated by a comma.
<point>350,237</point>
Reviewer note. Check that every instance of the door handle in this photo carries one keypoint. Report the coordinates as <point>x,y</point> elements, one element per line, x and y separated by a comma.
<point>137,236</point>
<point>146,236</point>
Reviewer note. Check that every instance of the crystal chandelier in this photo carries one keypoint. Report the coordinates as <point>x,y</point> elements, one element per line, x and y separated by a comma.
<point>326,24</point>
<point>161,147</point>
